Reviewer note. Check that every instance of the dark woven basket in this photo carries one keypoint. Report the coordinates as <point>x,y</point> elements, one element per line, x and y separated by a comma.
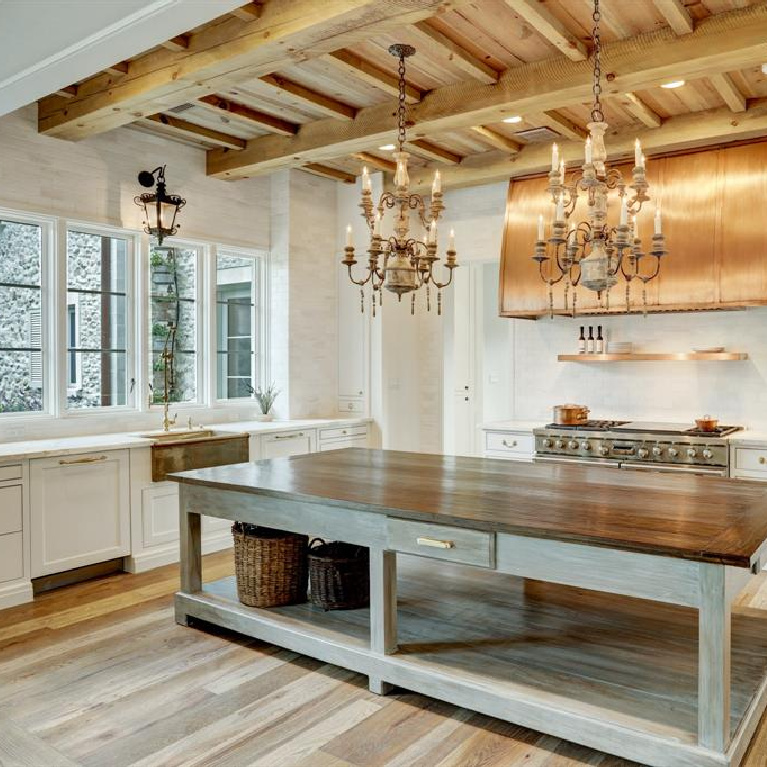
<point>339,575</point>
<point>270,565</point>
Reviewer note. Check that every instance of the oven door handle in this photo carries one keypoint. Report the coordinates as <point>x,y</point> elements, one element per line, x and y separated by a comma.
<point>709,470</point>
<point>562,460</point>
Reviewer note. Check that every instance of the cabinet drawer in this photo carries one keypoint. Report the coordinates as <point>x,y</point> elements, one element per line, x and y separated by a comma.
<point>10,472</point>
<point>287,443</point>
<point>10,509</point>
<point>340,444</point>
<point>343,432</point>
<point>504,442</point>
<point>453,544</point>
<point>751,459</point>
<point>350,405</point>
<point>11,557</point>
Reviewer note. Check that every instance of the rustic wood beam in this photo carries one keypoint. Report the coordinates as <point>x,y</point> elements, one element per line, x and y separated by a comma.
<point>727,89</point>
<point>549,27</point>
<point>249,11</point>
<point>560,124</point>
<point>119,69</point>
<point>433,152</point>
<point>497,140</point>
<point>327,172</point>
<point>428,38</point>
<point>373,75</point>
<point>683,132</point>
<point>225,52</point>
<point>375,161</point>
<point>730,40</point>
<point>635,106</point>
<point>177,43</point>
<point>308,97</point>
<point>68,92</point>
<point>676,15</point>
<point>184,127</point>
<point>262,119</point>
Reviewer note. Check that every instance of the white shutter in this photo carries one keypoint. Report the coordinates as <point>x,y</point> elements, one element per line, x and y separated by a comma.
<point>35,342</point>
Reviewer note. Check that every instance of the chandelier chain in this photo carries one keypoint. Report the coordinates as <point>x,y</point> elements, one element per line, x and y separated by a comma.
<point>402,108</point>
<point>597,115</point>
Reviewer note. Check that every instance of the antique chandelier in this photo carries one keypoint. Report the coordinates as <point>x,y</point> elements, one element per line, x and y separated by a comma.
<point>401,263</point>
<point>592,253</point>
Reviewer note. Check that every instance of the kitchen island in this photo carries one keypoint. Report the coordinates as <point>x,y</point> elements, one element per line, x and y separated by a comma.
<point>666,670</point>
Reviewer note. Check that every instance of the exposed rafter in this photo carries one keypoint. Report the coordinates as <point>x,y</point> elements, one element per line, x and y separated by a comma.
<point>549,27</point>
<point>262,119</point>
<point>431,151</point>
<point>560,124</point>
<point>428,38</point>
<point>249,11</point>
<point>328,172</point>
<point>497,140</point>
<point>177,43</point>
<point>68,92</point>
<point>222,54</point>
<point>734,40</point>
<point>373,75</point>
<point>375,162</point>
<point>119,69</point>
<point>307,97</point>
<point>727,89</point>
<point>192,130</point>
<point>634,105</point>
<point>676,15</point>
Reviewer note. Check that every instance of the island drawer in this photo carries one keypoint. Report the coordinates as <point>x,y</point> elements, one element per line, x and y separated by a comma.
<point>453,544</point>
<point>750,460</point>
<point>505,442</point>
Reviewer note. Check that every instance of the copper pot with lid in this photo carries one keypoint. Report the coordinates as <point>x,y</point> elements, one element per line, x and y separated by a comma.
<point>707,423</point>
<point>570,414</point>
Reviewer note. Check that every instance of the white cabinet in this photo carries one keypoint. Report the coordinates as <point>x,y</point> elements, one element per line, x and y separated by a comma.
<point>287,443</point>
<point>352,347</point>
<point>11,523</point>
<point>159,514</point>
<point>748,462</point>
<point>80,510</point>
<point>339,437</point>
<point>511,445</point>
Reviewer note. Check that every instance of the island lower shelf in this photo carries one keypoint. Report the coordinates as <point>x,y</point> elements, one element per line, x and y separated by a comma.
<point>514,649</point>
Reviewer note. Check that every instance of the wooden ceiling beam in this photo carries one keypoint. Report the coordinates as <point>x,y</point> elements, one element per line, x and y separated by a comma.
<point>636,107</point>
<point>313,99</point>
<point>683,132</point>
<point>376,162</point>
<point>262,119</point>
<point>497,140</point>
<point>561,124</point>
<point>431,151</point>
<point>549,27</point>
<point>676,15</point>
<point>225,52</point>
<point>328,172</point>
<point>249,11</point>
<point>177,43</point>
<point>185,128</point>
<point>373,75</point>
<point>730,40</point>
<point>727,89</point>
<point>68,92</point>
<point>428,38</point>
<point>119,69</point>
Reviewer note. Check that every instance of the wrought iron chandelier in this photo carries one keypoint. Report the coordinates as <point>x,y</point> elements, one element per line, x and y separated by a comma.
<point>160,208</point>
<point>592,253</point>
<point>401,263</point>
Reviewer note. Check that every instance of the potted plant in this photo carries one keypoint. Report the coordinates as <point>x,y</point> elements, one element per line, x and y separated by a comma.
<point>265,398</point>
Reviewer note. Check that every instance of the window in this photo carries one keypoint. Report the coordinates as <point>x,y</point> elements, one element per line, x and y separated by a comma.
<point>21,312</point>
<point>173,314</point>
<point>238,358</point>
<point>97,320</point>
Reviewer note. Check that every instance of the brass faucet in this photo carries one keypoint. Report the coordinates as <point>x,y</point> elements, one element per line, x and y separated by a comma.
<point>167,360</point>
<point>166,421</point>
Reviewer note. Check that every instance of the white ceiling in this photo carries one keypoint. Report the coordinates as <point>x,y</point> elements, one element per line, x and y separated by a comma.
<point>49,44</point>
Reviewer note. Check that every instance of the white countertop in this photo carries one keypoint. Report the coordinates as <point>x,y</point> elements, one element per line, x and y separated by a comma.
<point>748,437</point>
<point>513,425</point>
<point>40,448</point>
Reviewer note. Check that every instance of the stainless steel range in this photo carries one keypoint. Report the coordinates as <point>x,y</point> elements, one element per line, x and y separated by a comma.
<point>637,445</point>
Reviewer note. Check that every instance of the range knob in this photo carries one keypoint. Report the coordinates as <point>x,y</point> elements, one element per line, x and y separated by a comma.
<point>691,452</point>
<point>643,452</point>
<point>560,444</point>
<point>673,452</point>
<point>707,453</point>
<point>585,445</point>
<point>546,442</point>
<point>604,450</point>
<point>657,451</point>
<point>573,444</point>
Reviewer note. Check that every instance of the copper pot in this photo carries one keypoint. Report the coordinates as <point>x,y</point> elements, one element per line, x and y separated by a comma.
<point>707,423</point>
<point>570,414</point>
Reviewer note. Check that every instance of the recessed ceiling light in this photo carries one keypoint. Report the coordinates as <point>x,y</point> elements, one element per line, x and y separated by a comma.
<point>387,148</point>
<point>673,84</point>
<point>513,119</point>
<point>764,69</point>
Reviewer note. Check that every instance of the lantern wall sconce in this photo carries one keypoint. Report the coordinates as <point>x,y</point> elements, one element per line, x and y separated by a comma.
<point>160,208</point>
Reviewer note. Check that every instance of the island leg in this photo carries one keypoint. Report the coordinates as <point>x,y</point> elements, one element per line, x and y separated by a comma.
<point>713,659</point>
<point>191,554</point>
<point>383,610</point>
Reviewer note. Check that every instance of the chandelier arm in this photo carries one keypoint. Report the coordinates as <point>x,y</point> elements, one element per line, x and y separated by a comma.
<point>360,282</point>
<point>440,285</point>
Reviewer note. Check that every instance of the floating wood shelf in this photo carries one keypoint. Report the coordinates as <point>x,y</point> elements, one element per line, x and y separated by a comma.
<point>721,356</point>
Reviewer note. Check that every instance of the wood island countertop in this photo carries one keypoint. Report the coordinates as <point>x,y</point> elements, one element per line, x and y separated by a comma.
<point>700,518</point>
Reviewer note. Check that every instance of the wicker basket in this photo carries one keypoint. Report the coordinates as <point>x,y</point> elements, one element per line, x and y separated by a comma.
<point>271,565</point>
<point>339,575</point>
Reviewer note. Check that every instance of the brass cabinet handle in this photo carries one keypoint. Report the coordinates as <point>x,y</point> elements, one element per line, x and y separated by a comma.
<point>288,436</point>
<point>762,459</point>
<point>76,461</point>
<point>435,543</point>
<point>513,443</point>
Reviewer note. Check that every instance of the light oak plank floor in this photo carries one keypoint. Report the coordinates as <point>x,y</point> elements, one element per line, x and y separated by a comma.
<point>99,675</point>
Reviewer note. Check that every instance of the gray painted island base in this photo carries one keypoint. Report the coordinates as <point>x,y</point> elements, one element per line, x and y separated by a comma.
<point>660,669</point>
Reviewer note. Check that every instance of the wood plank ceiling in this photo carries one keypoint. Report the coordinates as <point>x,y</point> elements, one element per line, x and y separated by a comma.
<point>301,83</point>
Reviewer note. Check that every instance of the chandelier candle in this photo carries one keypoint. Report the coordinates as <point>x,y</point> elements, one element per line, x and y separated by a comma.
<point>402,263</point>
<point>591,252</point>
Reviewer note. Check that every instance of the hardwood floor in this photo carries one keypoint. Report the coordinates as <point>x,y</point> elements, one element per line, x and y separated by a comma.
<point>98,674</point>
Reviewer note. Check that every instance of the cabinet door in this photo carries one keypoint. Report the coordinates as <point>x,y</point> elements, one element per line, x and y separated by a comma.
<point>352,324</point>
<point>80,510</point>
<point>287,444</point>
<point>159,511</point>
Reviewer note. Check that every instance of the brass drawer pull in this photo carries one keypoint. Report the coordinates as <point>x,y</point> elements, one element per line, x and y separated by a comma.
<point>288,436</point>
<point>92,459</point>
<point>762,459</point>
<point>513,443</point>
<point>435,543</point>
